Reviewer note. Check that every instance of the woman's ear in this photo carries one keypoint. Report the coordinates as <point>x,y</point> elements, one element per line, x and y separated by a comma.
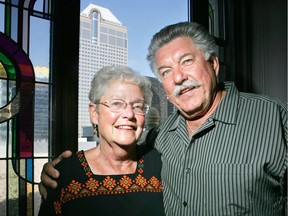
<point>93,113</point>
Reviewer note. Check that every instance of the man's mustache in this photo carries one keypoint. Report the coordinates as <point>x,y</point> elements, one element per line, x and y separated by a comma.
<point>186,84</point>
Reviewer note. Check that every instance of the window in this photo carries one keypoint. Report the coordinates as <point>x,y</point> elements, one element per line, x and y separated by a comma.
<point>24,107</point>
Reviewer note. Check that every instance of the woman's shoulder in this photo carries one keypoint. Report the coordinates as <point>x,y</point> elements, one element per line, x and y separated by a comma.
<point>148,153</point>
<point>70,163</point>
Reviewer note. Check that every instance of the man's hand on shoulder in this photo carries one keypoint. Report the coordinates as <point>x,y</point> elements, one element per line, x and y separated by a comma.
<point>49,173</point>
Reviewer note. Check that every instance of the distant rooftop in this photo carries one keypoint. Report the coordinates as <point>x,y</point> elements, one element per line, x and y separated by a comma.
<point>106,14</point>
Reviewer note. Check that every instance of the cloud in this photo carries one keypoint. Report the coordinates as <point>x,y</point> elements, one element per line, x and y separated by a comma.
<point>41,71</point>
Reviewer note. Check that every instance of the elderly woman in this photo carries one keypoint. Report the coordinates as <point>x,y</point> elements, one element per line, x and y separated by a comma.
<point>118,177</point>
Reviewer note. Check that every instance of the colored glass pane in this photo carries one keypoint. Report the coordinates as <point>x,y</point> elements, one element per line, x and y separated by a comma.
<point>25,132</point>
<point>3,73</point>
<point>25,66</point>
<point>29,169</point>
<point>6,67</point>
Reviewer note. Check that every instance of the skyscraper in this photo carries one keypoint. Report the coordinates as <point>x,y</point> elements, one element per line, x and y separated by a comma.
<point>103,41</point>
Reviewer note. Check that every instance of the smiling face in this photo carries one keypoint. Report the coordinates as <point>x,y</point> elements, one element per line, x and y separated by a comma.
<point>118,128</point>
<point>188,79</point>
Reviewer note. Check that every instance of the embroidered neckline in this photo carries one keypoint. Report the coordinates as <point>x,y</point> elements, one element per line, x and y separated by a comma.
<point>89,173</point>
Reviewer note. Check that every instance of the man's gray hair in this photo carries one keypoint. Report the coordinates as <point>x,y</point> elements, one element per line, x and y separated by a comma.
<point>199,35</point>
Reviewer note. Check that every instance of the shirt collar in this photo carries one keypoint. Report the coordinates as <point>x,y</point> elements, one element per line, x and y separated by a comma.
<point>227,109</point>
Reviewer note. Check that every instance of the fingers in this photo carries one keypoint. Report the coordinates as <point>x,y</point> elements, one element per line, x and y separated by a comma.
<point>65,154</point>
<point>47,175</point>
<point>49,172</point>
<point>46,180</point>
<point>42,191</point>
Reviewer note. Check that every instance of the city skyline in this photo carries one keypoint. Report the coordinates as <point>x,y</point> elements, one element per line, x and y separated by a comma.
<point>141,26</point>
<point>143,19</point>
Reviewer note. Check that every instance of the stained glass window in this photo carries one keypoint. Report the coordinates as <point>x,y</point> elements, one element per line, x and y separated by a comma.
<point>24,102</point>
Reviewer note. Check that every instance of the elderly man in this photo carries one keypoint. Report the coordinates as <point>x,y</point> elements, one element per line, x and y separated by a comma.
<point>223,152</point>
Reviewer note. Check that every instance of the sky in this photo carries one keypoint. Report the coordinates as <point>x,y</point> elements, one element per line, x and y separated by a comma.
<point>143,19</point>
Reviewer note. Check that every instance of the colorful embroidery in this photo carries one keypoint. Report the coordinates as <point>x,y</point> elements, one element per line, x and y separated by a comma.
<point>92,184</point>
<point>84,163</point>
<point>57,207</point>
<point>155,182</point>
<point>74,187</point>
<point>125,182</point>
<point>108,185</point>
<point>141,181</point>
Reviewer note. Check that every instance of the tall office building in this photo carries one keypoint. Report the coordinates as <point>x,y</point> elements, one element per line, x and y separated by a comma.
<point>103,41</point>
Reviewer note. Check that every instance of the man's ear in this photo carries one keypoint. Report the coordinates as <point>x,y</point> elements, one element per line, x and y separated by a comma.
<point>93,113</point>
<point>214,61</point>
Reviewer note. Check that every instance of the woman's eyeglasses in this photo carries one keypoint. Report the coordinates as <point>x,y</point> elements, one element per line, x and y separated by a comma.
<point>119,106</point>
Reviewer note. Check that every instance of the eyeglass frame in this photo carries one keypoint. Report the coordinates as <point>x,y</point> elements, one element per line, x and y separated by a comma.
<point>108,104</point>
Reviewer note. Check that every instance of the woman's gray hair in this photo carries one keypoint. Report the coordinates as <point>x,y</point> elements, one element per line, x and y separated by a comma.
<point>110,74</point>
<point>199,35</point>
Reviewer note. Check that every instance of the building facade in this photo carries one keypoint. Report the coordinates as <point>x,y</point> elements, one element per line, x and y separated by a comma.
<point>103,41</point>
